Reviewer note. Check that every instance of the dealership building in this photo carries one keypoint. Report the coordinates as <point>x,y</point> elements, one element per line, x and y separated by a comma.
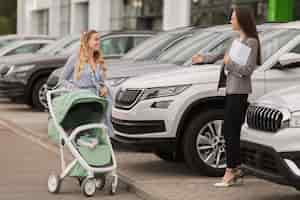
<point>62,17</point>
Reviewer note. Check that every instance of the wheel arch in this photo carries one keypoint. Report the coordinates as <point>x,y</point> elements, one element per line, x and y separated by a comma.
<point>43,73</point>
<point>193,109</point>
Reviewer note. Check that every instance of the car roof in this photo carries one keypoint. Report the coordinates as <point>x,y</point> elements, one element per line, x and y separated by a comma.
<point>27,37</point>
<point>129,32</point>
<point>292,25</point>
<point>33,41</point>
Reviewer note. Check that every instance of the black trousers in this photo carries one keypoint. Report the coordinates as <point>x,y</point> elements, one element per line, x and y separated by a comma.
<point>235,110</point>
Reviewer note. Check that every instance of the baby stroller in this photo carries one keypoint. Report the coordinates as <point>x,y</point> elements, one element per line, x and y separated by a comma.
<point>78,115</point>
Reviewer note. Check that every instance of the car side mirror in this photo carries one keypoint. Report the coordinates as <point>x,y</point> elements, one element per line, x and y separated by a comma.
<point>288,60</point>
<point>52,81</point>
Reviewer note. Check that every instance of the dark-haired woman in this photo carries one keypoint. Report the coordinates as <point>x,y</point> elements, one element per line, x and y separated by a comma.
<point>238,87</point>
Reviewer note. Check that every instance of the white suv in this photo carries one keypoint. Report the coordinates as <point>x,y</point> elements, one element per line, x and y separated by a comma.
<point>270,137</point>
<point>179,114</point>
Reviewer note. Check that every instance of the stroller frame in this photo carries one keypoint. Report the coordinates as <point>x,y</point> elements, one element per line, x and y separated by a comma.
<point>64,139</point>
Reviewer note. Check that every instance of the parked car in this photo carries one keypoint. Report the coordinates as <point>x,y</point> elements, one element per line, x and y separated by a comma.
<point>57,47</point>
<point>178,114</point>
<point>7,39</point>
<point>24,79</point>
<point>24,46</point>
<point>270,139</point>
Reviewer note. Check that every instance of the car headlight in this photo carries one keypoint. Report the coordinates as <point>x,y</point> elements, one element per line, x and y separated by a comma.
<point>19,69</point>
<point>9,69</point>
<point>114,82</point>
<point>163,91</point>
<point>295,120</point>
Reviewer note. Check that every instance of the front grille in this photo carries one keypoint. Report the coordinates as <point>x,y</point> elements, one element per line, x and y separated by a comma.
<point>259,159</point>
<point>264,118</point>
<point>138,127</point>
<point>126,99</point>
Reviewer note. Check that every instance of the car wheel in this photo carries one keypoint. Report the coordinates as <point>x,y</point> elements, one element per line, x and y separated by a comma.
<point>39,99</point>
<point>204,145</point>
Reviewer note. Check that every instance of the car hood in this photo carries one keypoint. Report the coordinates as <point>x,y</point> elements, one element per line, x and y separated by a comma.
<point>285,98</point>
<point>199,74</point>
<point>131,69</point>
<point>18,57</point>
<point>35,59</point>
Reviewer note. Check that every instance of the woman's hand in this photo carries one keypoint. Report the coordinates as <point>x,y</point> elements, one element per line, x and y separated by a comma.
<point>103,91</point>
<point>196,59</point>
<point>226,59</point>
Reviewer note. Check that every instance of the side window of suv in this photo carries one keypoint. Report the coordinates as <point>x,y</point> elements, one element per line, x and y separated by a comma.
<point>28,48</point>
<point>296,49</point>
<point>116,46</point>
<point>222,47</point>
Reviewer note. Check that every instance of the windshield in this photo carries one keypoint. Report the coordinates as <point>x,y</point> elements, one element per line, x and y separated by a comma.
<point>58,46</point>
<point>271,42</point>
<point>151,46</point>
<point>184,50</point>
<point>6,42</point>
<point>70,49</point>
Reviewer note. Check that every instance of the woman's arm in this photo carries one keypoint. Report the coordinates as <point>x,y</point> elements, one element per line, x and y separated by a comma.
<point>212,58</point>
<point>69,67</point>
<point>245,70</point>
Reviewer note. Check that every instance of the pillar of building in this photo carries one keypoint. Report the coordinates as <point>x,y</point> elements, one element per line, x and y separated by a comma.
<point>176,13</point>
<point>100,15</point>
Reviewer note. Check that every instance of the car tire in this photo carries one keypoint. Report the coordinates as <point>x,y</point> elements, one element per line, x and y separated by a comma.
<point>37,87</point>
<point>199,141</point>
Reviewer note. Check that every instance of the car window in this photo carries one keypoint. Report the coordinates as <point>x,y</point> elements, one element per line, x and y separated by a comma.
<point>183,51</point>
<point>116,46</point>
<point>139,39</point>
<point>149,48</point>
<point>273,41</point>
<point>222,47</point>
<point>296,49</point>
<point>27,48</point>
<point>4,43</point>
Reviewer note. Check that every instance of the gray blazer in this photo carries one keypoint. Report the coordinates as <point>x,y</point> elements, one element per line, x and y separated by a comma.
<point>238,80</point>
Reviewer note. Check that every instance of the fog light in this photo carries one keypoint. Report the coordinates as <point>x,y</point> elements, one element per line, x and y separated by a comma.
<point>21,74</point>
<point>161,104</point>
<point>293,167</point>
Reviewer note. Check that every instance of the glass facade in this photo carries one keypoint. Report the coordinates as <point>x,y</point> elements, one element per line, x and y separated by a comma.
<point>65,12</point>
<point>214,12</point>
<point>42,20</point>
<point>139,15</point>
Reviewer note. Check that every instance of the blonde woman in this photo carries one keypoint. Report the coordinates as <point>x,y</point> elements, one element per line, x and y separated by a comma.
<point>86,69</point>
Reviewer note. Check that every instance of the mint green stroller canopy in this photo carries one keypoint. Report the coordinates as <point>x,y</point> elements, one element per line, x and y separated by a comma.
<point>77,108</point>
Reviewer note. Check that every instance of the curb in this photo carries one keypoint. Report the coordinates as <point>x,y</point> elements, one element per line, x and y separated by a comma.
<point>125,181</point>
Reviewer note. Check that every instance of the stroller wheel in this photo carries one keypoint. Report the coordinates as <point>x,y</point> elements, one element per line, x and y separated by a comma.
<point>100,182</point>
<point>80,180</point>
<point>88,187</point>
<point>54,184</point>
<point>114,184</point>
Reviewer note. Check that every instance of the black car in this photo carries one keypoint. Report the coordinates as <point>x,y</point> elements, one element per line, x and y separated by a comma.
<point>23,79</point>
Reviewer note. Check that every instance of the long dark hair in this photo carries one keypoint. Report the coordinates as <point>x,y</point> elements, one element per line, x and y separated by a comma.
<point>246,20</point>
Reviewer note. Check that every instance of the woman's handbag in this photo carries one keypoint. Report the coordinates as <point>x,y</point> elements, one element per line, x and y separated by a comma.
<point>222,78</point>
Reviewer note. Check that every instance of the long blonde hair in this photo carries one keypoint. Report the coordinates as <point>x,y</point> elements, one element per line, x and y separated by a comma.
<point>83,55</point>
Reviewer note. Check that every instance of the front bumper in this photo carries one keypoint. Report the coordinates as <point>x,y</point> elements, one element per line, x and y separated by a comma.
<point>145,144</point>
<point>11,89</point>
<point>266,163</point>
<point>138,127</point>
